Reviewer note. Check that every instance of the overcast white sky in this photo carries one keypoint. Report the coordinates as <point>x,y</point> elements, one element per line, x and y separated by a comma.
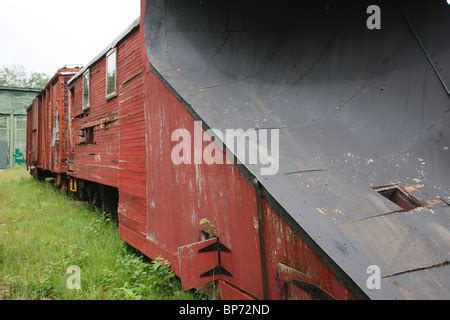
<point>44,35</point>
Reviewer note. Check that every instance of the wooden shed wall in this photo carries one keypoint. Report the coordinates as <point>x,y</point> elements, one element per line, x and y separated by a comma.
<point>13,125</point>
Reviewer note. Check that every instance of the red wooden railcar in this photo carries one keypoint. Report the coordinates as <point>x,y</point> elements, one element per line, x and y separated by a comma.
<point>119,158</point>
<point>47,127</point>
<point>299,235</point>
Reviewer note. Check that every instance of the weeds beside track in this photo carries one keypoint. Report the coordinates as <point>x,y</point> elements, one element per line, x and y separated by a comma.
<point>43,232</point>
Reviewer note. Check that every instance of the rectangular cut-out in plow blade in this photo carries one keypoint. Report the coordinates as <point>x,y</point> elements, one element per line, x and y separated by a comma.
<point>400,197</point>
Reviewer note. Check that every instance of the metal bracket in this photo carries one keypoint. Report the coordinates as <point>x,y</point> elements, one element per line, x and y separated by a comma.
<point>215,247</point>
<point>219,270</point>
<point>312,290</point>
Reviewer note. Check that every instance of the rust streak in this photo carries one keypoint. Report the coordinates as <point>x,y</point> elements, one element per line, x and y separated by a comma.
<point>305,171</point>
<point>413,188</point>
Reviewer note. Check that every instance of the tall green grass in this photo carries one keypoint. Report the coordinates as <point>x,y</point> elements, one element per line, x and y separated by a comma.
<point>43,232</point>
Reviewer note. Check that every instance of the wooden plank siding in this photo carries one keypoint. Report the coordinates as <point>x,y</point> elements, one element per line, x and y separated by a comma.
<point>133,173</point>
<point>99,161</point>
<point>117,156</point>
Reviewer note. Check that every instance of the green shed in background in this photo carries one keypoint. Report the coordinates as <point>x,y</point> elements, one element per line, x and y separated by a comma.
<point>13,124</point>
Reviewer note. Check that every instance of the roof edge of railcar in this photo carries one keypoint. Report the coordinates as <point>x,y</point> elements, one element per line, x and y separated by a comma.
<point>112,45</point>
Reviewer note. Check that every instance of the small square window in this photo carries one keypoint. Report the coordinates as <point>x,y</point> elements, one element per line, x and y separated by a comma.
<point>111,74</point>
<point>86,91</point>
<point>87,136</point>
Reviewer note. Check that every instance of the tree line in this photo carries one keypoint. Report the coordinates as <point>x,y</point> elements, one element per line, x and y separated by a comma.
<point>18,77</point>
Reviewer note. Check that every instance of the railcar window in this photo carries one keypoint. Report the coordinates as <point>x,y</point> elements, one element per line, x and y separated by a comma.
<point>86,91</point>
<point>87,136</point>
<point>111,74</point>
